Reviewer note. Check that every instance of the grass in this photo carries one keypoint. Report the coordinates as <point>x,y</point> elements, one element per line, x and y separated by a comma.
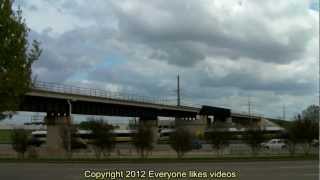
<point>5,136</point>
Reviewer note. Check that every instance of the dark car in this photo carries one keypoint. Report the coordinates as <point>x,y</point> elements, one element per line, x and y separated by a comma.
<point>196,144</point>
<point>35,142</point>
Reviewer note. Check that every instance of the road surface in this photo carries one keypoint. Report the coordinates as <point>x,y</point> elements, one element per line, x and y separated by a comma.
<point>268,170</point>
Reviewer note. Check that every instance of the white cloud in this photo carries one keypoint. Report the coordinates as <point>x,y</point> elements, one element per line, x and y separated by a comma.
<point>224,50</point>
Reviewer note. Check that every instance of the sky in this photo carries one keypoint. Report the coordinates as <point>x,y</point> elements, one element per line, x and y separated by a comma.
<point>226,52</point>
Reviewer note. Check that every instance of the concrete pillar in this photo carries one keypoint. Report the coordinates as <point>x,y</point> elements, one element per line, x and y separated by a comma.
<point>55,123</point>
<point>229,120</point>
<point>195,127</point>
<point>152,123</point>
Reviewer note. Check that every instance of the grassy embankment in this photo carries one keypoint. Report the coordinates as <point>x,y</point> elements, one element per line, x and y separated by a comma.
<point>5,136</point>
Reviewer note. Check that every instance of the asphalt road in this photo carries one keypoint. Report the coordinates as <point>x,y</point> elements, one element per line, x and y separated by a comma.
<point>270,170</point>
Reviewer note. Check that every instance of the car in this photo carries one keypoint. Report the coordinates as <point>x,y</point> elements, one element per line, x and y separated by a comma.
<point>274,144</point>
<point>35,142</point>
<point>196,144</point>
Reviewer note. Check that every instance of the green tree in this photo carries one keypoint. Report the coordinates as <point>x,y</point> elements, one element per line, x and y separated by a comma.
<point>102,137</point>
<point>86,125</point>
<point>16,58</point>
<point>20,141</point>
<point>181,141</point>
<point>143,140</point>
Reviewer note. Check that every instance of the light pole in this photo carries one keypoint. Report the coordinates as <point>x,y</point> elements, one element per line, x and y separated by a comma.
<point>284,112</point>
<point>249,110</point>
<point>69,126</point>
<point>178,90</point>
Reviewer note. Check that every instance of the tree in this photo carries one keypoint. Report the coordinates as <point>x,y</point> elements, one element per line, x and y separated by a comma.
<point>306,132</point>
<point>86,125</point>
<point>16,58</point>
<point>304,129</point>
<point>293,133</point>
<point>311,113</point>
<point>181,141</point>
<point>102,137</point>
<point>254,137</point>
<point>218,138</point>
<point>20,141</point>
<point>143,140</point>
<point>311,116</point>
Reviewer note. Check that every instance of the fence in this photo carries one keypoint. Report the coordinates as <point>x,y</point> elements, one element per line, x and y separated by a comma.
<point>61,88</point>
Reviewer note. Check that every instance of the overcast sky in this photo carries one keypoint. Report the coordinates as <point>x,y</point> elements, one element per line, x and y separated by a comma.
<point>225,51</point>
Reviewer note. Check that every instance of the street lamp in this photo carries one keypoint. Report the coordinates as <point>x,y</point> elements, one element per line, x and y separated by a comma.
<point>69,125</point>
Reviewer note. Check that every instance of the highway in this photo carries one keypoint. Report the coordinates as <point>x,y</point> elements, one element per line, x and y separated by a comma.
<point>261,170</point>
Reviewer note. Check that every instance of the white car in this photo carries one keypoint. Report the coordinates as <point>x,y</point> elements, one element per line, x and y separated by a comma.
<point>274,144</point>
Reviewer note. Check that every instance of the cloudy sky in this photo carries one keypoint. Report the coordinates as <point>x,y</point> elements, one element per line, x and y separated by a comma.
<point>225,51</point>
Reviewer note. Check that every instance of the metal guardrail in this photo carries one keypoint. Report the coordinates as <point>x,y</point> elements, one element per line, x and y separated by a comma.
<point>70,89</point>
<point>242,113</point>
<point>62,88</point>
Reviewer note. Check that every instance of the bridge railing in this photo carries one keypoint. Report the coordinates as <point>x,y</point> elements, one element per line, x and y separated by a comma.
<point>62,88</point>
<point>242,113</point>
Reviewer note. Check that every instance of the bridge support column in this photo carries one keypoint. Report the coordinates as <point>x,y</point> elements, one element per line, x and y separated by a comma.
<point>55,133</point>
<point>195,125</point>
<point>229,119</point>
<point>151,123</point>
<point>220,119</point>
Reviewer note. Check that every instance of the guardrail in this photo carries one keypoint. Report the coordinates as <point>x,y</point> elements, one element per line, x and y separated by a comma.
<point>62,88</point>
<point>247,114</point>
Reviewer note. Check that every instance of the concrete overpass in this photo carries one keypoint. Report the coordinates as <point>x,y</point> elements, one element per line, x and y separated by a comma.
<point>60,101</point>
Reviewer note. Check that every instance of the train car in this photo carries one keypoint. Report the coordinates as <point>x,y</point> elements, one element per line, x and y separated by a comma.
<point>39,137</point>
<point>119,135</point>
<point>124,135</point>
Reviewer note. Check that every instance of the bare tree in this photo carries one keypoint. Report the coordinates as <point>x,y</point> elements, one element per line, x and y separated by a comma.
<point>310,126</point>
<point>181,141</point>
<point>303,130</point>
<point>305,133</point>
<point>218,138</point>
<point>254,137</point>
<point>292,138</point>
<point>143,140</point>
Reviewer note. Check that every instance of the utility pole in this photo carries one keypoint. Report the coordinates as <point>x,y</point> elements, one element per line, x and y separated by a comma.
<point>178,90</point>
<point>284,112</point>
<point>249,109</point>
<point>69,127</point>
